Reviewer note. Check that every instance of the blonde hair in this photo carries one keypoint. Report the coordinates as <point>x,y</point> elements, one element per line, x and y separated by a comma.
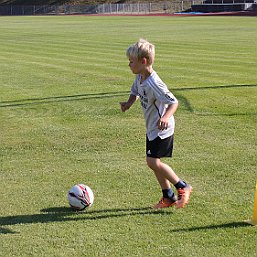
<point>142,49</point>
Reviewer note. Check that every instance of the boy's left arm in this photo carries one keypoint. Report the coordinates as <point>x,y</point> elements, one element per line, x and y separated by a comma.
<point>163,122</point>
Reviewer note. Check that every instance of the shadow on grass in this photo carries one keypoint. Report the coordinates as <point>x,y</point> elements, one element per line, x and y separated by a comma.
<point>62,214</point>
<point>214,87</point>
<point>52,99</point>
<point>213,227</point>
<point>186,103</point>
<point>189,107</point>
<point>45,100</point>
<point>7,231</point>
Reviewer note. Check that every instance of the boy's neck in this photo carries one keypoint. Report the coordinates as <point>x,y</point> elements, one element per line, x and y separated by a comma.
<point>146,73</point>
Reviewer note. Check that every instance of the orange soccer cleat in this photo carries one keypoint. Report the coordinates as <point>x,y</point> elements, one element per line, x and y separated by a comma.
<point>183,196</point>
<point>164,203</point>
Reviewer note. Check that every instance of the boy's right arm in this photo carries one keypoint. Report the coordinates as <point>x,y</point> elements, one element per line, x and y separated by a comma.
<point>126,105</point>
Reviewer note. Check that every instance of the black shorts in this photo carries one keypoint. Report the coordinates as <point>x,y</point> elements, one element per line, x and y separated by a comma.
<point>159,148</point>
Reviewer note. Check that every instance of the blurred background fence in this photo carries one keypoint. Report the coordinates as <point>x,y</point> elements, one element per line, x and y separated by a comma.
<point>135,8</point>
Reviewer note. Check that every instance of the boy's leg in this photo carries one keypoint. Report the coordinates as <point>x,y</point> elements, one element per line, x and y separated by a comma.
<point>169,198</point>
<point>165,175</point>
<point>163,172</point>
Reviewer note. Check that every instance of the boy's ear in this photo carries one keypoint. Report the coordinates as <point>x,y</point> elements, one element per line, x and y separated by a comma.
<point>144,61</point>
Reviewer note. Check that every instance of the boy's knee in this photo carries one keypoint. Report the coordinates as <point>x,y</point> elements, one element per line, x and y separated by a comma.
<point>152,163</point>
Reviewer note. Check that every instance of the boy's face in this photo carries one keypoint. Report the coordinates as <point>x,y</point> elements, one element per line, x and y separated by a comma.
<point>136,66</point>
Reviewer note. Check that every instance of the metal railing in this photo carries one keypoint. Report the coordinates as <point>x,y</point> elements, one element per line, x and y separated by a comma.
<point>135,8</point>
<point>227,1</point>
<point>132,8</point>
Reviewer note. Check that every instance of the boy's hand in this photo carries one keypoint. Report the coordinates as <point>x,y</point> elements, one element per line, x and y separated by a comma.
<point>163,123</point>
<point>124,106</point>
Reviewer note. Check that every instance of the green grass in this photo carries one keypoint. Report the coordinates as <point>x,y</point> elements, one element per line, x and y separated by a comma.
<point>61,81</point>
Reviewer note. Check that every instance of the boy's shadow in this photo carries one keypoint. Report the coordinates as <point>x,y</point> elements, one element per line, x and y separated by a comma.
<point>60,214</point>
<point>66,213</point>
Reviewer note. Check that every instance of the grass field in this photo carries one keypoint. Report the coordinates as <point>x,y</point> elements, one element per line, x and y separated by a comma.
<point>61,81</point>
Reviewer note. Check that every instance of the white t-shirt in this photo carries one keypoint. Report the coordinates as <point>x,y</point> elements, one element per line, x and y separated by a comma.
<point>155,98</point>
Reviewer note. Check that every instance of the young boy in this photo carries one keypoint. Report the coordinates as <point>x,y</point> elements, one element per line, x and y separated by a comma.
<point>158,105</point>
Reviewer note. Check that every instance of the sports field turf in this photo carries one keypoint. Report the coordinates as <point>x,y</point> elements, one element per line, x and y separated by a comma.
<point>61,81</point>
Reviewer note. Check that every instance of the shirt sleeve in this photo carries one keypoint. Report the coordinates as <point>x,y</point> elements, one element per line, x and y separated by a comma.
<point>168,98</point>
<point>163,94</point>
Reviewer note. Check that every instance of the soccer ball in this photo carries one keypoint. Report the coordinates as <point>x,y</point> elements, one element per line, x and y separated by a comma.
<point>80,197</point>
